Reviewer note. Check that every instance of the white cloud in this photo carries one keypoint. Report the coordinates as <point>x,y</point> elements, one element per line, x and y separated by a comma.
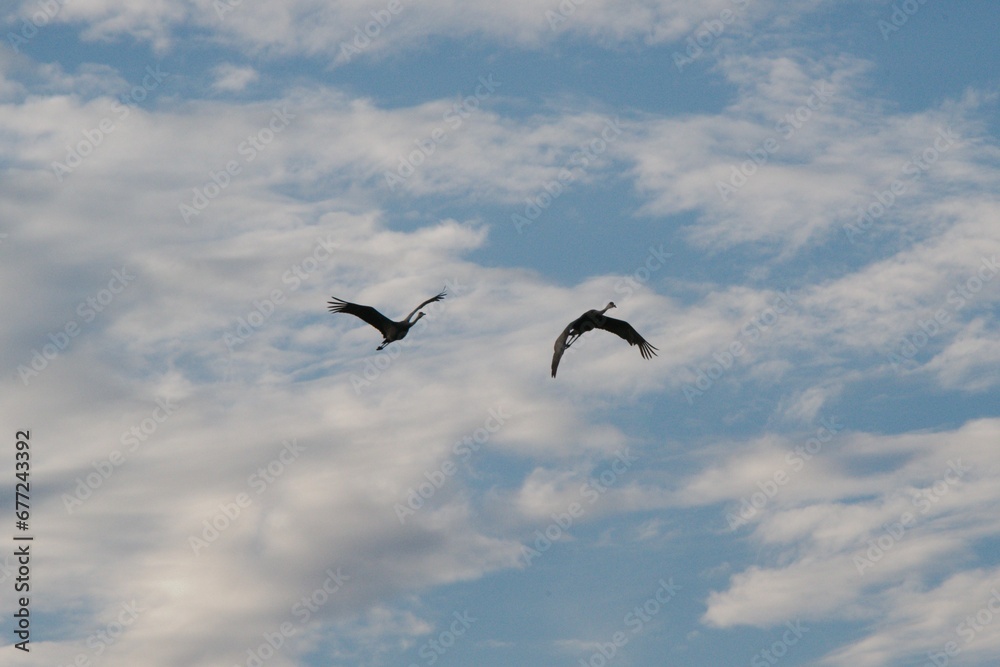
<point>233,78</point>
<point>842,535</point>
<point>969,361</point>
<point>291,378</point>
<point>779,166</point>
<point>350,30</point>
<point>307,219</point>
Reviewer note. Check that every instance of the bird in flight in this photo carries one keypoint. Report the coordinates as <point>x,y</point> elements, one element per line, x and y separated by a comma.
<point>391,331</point>
<point>596,319</point>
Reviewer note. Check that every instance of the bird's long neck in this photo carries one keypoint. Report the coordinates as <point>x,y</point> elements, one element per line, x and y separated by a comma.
<point>419,315</point>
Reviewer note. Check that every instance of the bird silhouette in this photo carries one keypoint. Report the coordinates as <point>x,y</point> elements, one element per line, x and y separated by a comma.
<point>596,319</point>
<point>391,331</point>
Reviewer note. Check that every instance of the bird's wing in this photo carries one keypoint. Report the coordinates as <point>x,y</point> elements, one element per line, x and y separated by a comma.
<point>560,347</point>
<point>430,300</point>
<point>367,313</point>
<point>624,330</point>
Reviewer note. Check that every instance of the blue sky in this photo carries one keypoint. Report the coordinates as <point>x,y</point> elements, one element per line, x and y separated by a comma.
<point>795,202</point>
